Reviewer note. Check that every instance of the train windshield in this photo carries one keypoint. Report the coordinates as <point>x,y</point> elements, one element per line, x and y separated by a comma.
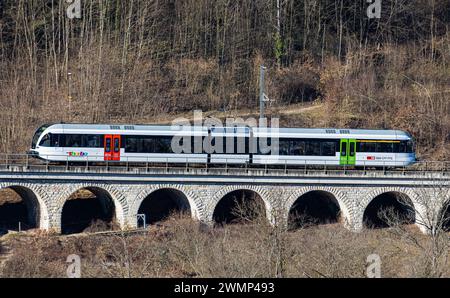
<point>410,146</point>
<point>37,134</point>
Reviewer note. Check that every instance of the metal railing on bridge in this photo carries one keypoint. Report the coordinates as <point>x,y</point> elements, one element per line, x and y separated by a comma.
<point>95,164</point>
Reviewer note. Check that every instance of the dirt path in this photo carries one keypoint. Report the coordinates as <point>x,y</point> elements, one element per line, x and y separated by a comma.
<point>288,110</point>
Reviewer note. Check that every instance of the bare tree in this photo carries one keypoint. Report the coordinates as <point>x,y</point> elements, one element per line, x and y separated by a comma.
<point>432,202</point>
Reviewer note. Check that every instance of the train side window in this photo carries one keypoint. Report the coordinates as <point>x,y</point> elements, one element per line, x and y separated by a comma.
<point>130,144</point>
<point>46,141</point>
<point>73,140</point>
<point>385,147</point>
<point>148,145</point>
<point>163,145</point>
<point>284,147</point>
<point>297,147</point>
<point>396,147</point>
<point>380,148</point>
<point>57,140</point>
<point>93,141</point>
<point>62,140</point>
<point>360,146</point>
<point>313,148</point>
<point>370,147</point>
<point>140,144</point>
<point>328,148</point>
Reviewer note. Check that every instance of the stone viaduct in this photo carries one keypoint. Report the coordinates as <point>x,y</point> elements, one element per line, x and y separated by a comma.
<point>200,191</point>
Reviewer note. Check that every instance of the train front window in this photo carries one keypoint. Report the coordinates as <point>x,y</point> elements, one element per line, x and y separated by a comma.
<point>410,147</point>
<point>37,135</point>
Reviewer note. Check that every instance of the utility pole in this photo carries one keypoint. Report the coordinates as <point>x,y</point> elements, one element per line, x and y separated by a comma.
<point>278,18</point>
<point>69,93</point>
<point>262,94</point>
<point>278,40</point>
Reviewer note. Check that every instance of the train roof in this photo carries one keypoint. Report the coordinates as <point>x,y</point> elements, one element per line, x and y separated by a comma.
<point>283,132</point>
<point>334,133</point>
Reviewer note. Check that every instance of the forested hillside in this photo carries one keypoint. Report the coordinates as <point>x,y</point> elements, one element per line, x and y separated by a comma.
<point>128,61</point>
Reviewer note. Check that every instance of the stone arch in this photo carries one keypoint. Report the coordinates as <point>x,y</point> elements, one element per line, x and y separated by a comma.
<point>195,204</point>
<point>118,198</point>
<point>41,203</point>
<point>343,202</point>
<point>409,193</point>
<point>261,191</point>
<point>162,204</point>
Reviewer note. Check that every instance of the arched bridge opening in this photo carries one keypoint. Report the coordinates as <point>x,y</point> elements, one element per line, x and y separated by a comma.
<point>19,209</point>
<point>89,209</point>
<point>240,206</point>
<point>388,209</point>
<point>161,204</point>
<point>314,208</point>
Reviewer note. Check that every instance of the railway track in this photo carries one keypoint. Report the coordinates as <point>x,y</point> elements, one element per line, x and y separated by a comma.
<point>25,163</point>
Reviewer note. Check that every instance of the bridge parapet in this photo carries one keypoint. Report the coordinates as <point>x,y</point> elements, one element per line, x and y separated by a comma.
<point>244,171</point>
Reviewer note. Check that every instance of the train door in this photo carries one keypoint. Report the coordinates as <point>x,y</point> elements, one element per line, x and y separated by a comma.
<point>108,147</point>
<point>112,147</point>
<point>351,160</point>
<point>348,152</point>
<point>116,148</point>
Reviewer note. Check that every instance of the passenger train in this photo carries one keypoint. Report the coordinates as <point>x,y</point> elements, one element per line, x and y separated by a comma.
<point>224,145</point>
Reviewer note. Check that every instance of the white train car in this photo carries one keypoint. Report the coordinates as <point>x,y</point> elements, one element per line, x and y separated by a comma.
<point>223,145</point>
<point>338,147</point>
<point>114,143</point>
<point>229,145</point>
